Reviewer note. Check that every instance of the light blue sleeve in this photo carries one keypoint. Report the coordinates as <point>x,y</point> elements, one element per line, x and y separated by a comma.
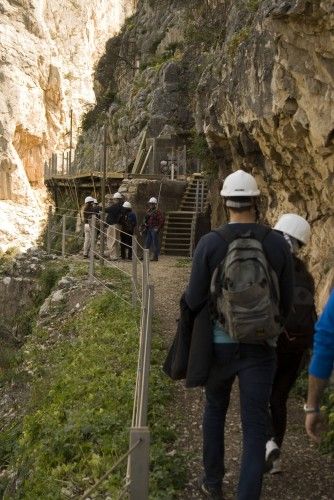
<point>323,349</point>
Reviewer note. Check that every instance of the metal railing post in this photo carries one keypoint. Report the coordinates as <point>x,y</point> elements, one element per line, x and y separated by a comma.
<point>197,194</point>
<point>134,270</point>
<point>92,247</point>
<point>146,260</point>
<point>202,197</point>
<point>103,229</point>
<point>139,464</point>
<point>192,236</point>
<point>63,237</point>
<point>146,356</point>
<point>48,243</point>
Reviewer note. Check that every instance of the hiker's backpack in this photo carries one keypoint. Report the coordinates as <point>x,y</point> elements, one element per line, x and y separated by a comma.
<point>299,327</point>
<point>244,288</point>
<point>126,223</point>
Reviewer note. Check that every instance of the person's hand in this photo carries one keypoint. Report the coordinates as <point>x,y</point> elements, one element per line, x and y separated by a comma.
<point>313,424</point>
<point>155,229</point>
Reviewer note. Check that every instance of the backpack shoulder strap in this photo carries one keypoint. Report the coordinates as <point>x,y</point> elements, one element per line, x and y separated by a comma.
<point>261,232</point>
<point>226,234</point>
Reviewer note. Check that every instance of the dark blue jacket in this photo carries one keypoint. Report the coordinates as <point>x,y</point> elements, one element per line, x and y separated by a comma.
<point>113,213</point>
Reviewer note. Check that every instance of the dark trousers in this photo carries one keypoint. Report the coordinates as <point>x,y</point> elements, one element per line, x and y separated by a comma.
<point>152,240</point>
<point>288,367</point>
<point>126,245</point>
<point>254,366</point>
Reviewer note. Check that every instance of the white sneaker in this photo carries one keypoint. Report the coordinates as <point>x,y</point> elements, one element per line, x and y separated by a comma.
<point>277,467</point>
<point>272,454</point>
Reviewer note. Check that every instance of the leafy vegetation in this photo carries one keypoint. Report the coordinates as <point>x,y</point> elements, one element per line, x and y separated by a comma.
<point>6,258</point>
<point>203,25</point>
<point>80,405</point>
<point>253,5</point>
<point>237,39</point>
<point>199,149</point>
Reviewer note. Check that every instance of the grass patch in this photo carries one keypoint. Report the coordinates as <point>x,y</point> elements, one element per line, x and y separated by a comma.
<point>77,421</point>
<point>183,262</point>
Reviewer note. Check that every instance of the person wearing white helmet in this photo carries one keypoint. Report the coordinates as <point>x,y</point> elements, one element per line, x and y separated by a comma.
<point>89,209</point>
<point>114,213</point>
<point>151,227</point>
<point>295,340</point>
<point>128,224</point>
<point>246,351</point>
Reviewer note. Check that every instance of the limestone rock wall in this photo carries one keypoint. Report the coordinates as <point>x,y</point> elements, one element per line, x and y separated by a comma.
<point>47,50</point>
<point>271,112</point>
<point>255,77</point>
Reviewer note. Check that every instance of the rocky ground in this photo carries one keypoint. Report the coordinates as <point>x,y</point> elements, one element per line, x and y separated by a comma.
<point>306,473</point>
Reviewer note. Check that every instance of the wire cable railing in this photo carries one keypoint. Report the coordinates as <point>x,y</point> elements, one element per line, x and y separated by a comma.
<point>142,294</point>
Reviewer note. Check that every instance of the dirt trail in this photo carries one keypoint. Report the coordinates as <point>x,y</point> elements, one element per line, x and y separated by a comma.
<point>307,474</point>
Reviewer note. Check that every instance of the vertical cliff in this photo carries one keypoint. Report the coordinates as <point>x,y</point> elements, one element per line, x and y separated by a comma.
<point>249,82</point>
<point>48,50</point>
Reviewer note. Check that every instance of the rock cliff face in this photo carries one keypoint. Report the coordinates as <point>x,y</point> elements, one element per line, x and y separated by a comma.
<point>47,50</point>
<point>255,78</point>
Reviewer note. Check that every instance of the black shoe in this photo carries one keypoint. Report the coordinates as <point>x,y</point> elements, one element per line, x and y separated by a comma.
<point>213,493</point>
<point>154,259</point>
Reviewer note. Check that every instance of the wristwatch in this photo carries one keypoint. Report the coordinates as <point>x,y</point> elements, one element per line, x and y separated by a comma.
<point>309,409</point>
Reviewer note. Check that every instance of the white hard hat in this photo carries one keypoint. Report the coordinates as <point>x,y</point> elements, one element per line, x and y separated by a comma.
<point>117,196</point>
<point>240,183</point>
<point>153,200</point>
<point>89,199</point>
<point>95,200</point>
<point>127,204</point>
<point>294,225</point>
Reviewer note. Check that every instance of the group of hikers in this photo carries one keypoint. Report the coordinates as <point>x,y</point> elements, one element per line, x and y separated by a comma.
<point>120,225</point>
<point>249,312</point>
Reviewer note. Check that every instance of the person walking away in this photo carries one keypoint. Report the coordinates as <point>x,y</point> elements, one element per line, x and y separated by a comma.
<point>113,226</point>
<point>88,211</point>
<point>321,367</point>
<point>128,224</point>
<point>153,223</point>
<point>295,340</point>
<point>246,269</point>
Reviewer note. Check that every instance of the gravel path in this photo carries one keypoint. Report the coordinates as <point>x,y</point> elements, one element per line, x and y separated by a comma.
<point>307,474</point>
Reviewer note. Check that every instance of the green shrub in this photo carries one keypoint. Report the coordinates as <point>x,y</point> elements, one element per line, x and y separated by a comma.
<point>199,149</point>
<point>79,412</point>
<point>237,39</point>
<point>253,5</point>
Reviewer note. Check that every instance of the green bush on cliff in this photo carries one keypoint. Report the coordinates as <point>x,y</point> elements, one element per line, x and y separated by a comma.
<point>199,149</point>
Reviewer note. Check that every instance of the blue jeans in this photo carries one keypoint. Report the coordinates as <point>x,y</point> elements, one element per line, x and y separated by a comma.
<point>152,240</point>
<point>255,367</point>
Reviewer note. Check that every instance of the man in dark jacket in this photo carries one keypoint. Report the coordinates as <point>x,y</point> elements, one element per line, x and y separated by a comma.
<point>253,364</point>
<point>113,226</point>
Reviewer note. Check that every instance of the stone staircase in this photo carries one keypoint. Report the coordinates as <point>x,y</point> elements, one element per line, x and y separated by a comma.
<point>179,231</point>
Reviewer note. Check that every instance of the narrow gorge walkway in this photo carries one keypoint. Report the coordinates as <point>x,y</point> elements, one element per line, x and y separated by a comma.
<point>307,474</point>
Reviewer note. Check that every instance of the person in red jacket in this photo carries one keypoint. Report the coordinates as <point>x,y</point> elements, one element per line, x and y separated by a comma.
<point>153,223</point>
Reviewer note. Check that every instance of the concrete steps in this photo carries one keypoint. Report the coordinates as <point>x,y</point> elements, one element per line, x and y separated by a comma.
<point>180,225</point>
